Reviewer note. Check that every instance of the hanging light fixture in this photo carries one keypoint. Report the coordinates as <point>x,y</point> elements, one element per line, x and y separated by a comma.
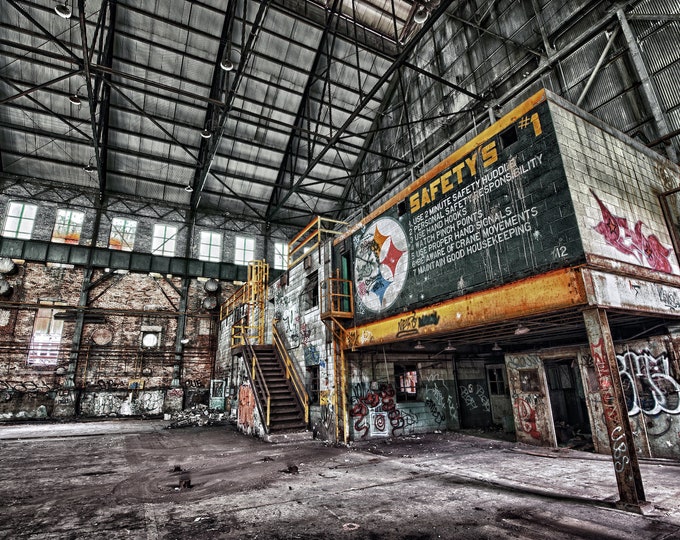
<point>421,14</point>
<point>206,133</point>
<point>521,330</point>
<point>188,189</point>
<point>226,64</point>
<point>74,99</point>
<point>496,347</point>
<point>63,10</point>
<point>449,347</point>
<point>419,345</point>
<point>90,167</point>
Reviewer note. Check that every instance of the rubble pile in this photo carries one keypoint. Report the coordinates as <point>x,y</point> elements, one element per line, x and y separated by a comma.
<point>198,415</point>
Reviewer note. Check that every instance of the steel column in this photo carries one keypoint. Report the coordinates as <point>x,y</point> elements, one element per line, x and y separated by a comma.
<point>616,419</point>
<point>647,86</point>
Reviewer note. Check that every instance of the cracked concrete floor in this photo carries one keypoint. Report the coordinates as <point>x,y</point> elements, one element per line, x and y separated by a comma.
<point>121,479</point>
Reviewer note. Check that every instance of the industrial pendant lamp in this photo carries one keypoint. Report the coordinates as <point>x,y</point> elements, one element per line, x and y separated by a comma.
<point>420,16</point>
<point>206,133</point>
<point>63,10</point>
<point>226,64</point>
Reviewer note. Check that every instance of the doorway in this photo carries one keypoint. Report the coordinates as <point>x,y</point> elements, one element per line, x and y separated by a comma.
<point>568,404</point>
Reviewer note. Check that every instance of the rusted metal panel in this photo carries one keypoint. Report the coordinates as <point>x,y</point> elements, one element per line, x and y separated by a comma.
<point>624,455</point>
<point>552,291</point>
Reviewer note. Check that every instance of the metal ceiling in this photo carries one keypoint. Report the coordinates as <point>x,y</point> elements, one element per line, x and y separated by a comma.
<point>119,96</point>
<point>328,108</point>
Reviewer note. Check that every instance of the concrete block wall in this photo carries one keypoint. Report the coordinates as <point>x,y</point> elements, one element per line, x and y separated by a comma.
<point>305,334</point>
<point>615,185</point>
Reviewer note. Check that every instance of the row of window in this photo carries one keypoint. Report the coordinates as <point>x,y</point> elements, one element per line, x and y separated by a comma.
<point>69,223</point>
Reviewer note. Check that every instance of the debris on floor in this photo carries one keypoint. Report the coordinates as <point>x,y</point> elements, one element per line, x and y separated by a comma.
<point>198,415</point>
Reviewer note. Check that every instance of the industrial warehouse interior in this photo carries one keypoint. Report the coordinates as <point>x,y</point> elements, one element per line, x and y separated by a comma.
<point>343,269</point>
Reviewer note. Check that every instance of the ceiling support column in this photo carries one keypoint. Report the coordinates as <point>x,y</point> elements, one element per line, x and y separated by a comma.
<point>647,86</point>
<point>620,434</point>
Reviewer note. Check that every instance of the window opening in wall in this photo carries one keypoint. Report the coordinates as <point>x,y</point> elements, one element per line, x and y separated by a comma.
<point>122,234</point>
<point>313,384</point>
<point>310,294</point>
<point>244,251</point>
<point>498,384</point>
<point>281,256</point>
<point>508,137</point>
<point>210,248</point>
<point>46,338</point>
<point>407,381</point>
<point>68,226</point>
<point>20,220</point>
<point>164,240</point>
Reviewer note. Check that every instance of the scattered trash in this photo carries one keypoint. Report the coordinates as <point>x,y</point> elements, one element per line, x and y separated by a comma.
<point>267,458</point>
<point>350,526</point>
<point>198,415</point>
<point>292,469</point>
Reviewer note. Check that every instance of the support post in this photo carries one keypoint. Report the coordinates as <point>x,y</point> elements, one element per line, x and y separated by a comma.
<point>647,87</point>
<point>620,434</point>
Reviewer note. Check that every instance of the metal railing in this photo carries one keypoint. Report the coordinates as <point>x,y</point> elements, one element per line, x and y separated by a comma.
<point>337,299</point>
<point>257,380</point>
<point>291,372</point>
<point>310,238</point>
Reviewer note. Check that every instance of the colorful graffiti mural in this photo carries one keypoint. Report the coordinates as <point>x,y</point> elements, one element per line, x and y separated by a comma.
<point>375,412</point>
<point>246,408</point>
<point>647,250</point>
<point>648,384</point>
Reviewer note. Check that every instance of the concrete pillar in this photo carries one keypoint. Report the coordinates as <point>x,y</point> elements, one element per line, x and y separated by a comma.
<point>626,467</point>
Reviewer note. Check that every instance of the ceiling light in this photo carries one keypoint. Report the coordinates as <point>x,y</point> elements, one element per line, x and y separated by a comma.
<point>521,330</point>
<point>226,64</point>
<point>63,10</point>
<point>496,347</point>
<point>188,189</point>
<point>206,134</point>
<point>74,99</point>
<point>420,16</point>
<point>449,347</point>
<point>90,167</point>
<point>419,345</point>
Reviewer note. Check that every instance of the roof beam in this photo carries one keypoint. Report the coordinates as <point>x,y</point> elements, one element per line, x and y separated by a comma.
<point>286,166</point>
<point>45,31</point>
<point>399,61</point>
<point>91,98</point>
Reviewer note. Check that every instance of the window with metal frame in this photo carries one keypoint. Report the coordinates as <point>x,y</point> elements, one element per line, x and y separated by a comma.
<point>280,255</point>
<point>19,220</point>
<point>123,233</point>
<point>244,250</point>
<point>164,240</point>
<point>210,246</point>
<point>68,226</point>
<point>43,349</point>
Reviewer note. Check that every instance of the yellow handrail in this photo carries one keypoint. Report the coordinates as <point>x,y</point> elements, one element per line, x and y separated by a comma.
<point>291,372</point>
<point>254,373</point>
<point>309,238</point>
